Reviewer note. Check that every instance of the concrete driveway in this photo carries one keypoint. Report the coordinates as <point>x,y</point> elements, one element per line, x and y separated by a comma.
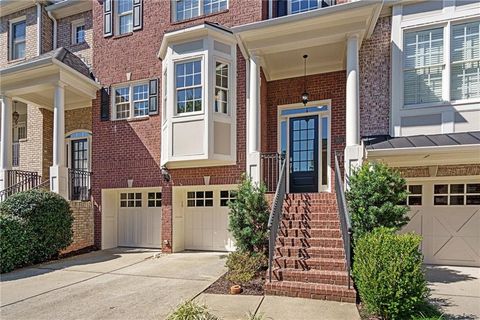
<point>109,284</point>
<point>456,290</point>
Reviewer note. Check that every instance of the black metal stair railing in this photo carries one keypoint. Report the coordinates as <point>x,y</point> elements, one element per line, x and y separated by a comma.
<point>79,184</point>
<point>18,181</point>
<point>271,164</point>
<point>275,217</point>
<point>345,223</point>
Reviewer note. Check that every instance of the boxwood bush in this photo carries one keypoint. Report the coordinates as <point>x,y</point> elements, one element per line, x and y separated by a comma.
<point>243,266</point>
<point>388,273</point>
<point>15,241</point>
<point>41,216</point>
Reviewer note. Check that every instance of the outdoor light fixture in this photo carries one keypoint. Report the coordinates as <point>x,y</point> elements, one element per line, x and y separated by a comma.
<point>305,93</point>
<point>166,174</point>
<point>15,115</point>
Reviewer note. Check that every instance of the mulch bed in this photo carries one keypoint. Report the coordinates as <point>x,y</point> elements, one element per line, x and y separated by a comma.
<point>253,288</point>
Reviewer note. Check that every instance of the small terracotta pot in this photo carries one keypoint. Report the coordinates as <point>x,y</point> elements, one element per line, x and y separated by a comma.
<point>235,289</point>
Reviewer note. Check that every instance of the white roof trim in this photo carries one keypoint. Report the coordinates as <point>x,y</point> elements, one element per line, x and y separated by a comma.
<point>420,150</point>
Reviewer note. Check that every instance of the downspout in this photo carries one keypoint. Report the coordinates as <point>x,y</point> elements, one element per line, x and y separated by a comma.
<point>39,29</point>
<point>54,29</point>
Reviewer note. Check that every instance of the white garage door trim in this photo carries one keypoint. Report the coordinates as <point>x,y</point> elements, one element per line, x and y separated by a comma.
<point>132,220</point>
<point>451,233</point>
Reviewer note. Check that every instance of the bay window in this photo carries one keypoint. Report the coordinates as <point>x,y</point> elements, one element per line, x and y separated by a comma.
<point>135,100</point>
<point>423,66</point>
<point>188,83</point>
<point>465,69</point>
<point>188,9</point>
<point>221,87</point>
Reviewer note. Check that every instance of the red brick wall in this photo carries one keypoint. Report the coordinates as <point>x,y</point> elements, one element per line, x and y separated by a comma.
<point>374,59</point>
<point>131,149</point>
<point>320,87</point>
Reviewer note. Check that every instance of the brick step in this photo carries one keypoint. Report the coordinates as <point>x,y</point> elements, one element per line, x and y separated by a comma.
<point>310,216</point>
<point>313,252</point>
<point>339,278</point>
<point>311,290</point>
<point>318,224</point>
<point>310,233</point>
<point>307,210</point>
<point>310,263</point>
<point>310,196</point>
<point>309,242</point>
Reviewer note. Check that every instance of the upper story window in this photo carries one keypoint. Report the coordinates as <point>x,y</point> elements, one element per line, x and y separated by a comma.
<point>17,39</point>
<point>426,74</point>
<point>221,87</point>
<point>188,9</point>
<point>297,6</point>
<point>423,66</point>
<point>465,56</point>
<point>125,16</point>
<point>188,85</point>
<point>78,32</point>
<point>135,100</point>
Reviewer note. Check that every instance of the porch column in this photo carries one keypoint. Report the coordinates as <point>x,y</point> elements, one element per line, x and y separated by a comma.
<point>6,142</point>
<point>353,150</point>
<point>253,125</point>
<point>58,171</point>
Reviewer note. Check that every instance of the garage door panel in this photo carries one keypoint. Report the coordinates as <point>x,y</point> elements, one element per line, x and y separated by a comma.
<point>415,223</point>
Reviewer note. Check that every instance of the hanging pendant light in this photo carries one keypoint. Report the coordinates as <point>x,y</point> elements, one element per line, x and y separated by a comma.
<point>15,115</point>
<point>305,93</point>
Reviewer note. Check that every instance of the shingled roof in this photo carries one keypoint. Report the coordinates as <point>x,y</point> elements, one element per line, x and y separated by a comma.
<point>423,141</point>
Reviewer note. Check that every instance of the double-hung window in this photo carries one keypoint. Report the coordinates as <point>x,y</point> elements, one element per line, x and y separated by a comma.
<point>188,83</point>
<point>17,39</point>
<point>221,87</point>
<point>423,66</point>
<point>78,32</point>
<point>135,100</point>
<point>125,16</point>
<point>465,57</point>
<point>188,9</point>
<point>297,6</point>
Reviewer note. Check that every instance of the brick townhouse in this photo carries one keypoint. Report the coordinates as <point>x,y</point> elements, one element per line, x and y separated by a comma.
<point>168,103</point>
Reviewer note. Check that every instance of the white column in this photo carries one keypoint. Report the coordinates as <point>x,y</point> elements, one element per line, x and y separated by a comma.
<point>353,150</point>
<point>58,171</point>
<point>253,125</point>
<point>353,99</point>
<point>6,140</point>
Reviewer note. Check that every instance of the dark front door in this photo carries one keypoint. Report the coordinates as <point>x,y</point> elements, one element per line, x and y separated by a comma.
<point>304,154</point>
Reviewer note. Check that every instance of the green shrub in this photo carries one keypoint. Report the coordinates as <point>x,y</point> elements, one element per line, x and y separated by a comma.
<point>374,198</point>
<point>190,310</point>
<point>15,241</point>
<point>242,266</point>
<point>49,218</point>
<point>248,218</point>
<point>388,273</point>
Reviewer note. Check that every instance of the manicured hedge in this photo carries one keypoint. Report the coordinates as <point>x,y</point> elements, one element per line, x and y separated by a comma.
<point>43,218</point>
<point>388,273</point>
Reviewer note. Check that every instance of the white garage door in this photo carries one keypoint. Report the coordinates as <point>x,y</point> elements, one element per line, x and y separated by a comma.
<point>206,220</point>
<point>447,215</point>
<point>140,218</point>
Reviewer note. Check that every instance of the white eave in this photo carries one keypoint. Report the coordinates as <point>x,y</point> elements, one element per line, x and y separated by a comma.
<point>193,33</point>
<point>11,6</point>
<point>67,8</point>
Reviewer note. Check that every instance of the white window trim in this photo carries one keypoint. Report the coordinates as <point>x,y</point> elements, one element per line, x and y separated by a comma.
<point>10,37</point>
<point>117,16</point>
<point>289,7</point>
<point>113,106</point>
<point>229,84</point>
<point>201,11</point>
<point>321,114</point>
<point>448,194</point>
<point>421,195</point>
<point>68,145</point>
<point>450,15</point>
<point>74,25</point>
<point>200,58</point>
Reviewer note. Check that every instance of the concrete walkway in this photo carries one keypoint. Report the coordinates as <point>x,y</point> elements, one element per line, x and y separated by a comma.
<point>229,307</point>
<point>456,290</point>
<point>110,284</point>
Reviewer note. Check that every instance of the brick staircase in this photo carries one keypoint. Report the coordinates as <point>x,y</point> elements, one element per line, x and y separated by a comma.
<point>309,259</point>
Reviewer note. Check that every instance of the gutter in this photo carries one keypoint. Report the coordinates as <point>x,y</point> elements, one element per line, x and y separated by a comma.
<point>420,150</point>
<point>39,28</point>
<point>54,29</point>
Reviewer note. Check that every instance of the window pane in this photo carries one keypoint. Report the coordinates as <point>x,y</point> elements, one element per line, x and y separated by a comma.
<point>473,188</point>
<point>303,5</point>
<point>440,200</point>
<point>126,23</point>
<point>188,75</point>
<point>415,189</point>
<point>456,200</point>
<point>19,50</point>
<point>19,31</point>
<point>187,9</point>
<point>473,200</point>
<point>415,200</point>
<point>457,188</point>
<point>80,34</point>
<point>124,6</point>
<point>465,80</point>
<point>211,6</point>
<point>440,189</point>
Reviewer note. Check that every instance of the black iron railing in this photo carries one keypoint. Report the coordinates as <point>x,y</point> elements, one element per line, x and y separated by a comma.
<point>79,184</point>
<point>18,181</point>
<point>15,154</point>
<point>345,223</point>
<point>271,164</point>
<point>276,216</point>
